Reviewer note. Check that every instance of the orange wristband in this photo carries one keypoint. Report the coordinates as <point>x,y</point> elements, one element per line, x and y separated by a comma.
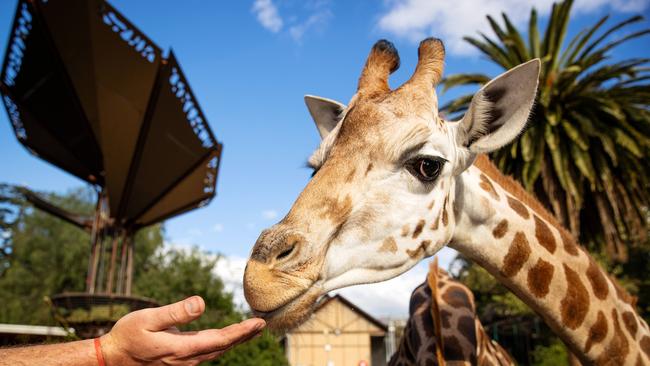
<point>98,353</point>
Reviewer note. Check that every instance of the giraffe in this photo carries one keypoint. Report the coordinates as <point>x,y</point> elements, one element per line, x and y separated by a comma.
<point>443,328</point>
<point>393,183</point>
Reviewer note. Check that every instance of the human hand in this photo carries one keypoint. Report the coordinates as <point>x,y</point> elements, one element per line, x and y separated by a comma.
<point>150,336</point>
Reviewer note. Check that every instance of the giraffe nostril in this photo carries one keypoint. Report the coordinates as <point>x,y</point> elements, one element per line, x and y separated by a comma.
<point>286,252</point>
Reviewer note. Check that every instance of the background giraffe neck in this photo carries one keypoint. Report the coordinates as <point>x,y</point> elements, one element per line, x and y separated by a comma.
<point>508,233</point>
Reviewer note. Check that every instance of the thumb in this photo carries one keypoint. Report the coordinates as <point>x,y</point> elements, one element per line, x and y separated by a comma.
<point>181,312</point>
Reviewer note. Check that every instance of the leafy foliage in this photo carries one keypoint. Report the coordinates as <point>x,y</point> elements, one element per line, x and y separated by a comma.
<point>552,355</point>
<point>493,300</point>
<point>173,275</point>
<point>585,153</point>
<point>48,256</point>
<point>10,205</point>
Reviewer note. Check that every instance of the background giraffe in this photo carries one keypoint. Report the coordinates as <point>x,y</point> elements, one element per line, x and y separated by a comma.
<point>443,327</point>
<point>394,183</point>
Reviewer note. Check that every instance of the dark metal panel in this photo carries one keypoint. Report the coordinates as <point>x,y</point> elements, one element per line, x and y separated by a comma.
<point>194,191</point>
<point>40,143</point>
<point>69,29</point>
<point>88,92</point>
<point>176,140</point>
<point>32,78</point>
<point>126,63</point>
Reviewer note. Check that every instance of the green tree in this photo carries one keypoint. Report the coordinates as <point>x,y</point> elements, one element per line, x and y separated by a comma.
<point>585,152</point>
<point>172,275</point>
<point>42,255</point>
<point>10,211</point>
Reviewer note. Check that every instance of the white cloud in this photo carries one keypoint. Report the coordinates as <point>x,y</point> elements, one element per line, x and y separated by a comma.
<point>231,272</point>
<point>298,17</point>
<point>217,228</point>
<point>268,15</point>
<point>390,299</point>
<point>451,20</point>
<point>318,19</point>
<point>270,214</point>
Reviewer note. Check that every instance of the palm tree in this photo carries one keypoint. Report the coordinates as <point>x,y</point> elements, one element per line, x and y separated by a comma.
<point>585,152</point>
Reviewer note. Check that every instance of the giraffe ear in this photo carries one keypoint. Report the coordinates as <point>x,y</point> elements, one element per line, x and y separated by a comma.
<point>499,111</point>
<point>325,112</point>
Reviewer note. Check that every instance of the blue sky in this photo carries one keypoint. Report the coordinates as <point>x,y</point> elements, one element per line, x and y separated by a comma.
<point>250,63</point>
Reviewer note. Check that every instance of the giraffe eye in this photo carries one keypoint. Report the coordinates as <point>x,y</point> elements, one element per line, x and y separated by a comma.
<point>425,168</point>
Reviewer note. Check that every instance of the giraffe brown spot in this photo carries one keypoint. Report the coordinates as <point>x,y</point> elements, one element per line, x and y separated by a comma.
<point>645,345</point>
<point>368,169</point>
<point>418,229</point>
<point>597,280</point>
<point>456,297</point>
<point>568,243</point>
<point>575,304</point>
<point>639,361</point>
<point>518,207</point>
<point>445,216</point>
<point>487,186</point>
<point>618,348</point>
<point>539,278</point>
<point>420,249</point>
<point>501,229</point>
<point>597,332</point>
<point>444,318</point>
<point>405,230</point>
<point>436,223</point>
<point>517,255</point>
<point>629,319</point>
<point>431,204</point>
<point>544,235</point>
<point>389,245</point>
<point>467,328</point>
<point>453,350</point>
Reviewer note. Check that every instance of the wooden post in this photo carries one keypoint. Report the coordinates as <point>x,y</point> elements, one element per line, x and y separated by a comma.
<point>90,276</point>
<point>111,271</point>
<point>129,268</point>
<point>122,272</point>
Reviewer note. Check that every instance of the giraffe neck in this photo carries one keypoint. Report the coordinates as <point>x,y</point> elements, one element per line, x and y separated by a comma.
<point>512,237</point>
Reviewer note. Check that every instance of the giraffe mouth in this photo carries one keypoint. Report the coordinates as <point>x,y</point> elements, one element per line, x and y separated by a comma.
<point>294,312</point>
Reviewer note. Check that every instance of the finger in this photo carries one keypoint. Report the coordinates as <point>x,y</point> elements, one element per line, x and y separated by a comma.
<point>212,355</point>
<point>181,312</point>
<point>211,340</point>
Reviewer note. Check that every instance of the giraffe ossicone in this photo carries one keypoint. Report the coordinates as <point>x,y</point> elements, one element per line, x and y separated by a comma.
<point>393,183</point>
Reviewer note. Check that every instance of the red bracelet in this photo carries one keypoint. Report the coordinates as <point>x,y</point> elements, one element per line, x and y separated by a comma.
<point>98,352</point>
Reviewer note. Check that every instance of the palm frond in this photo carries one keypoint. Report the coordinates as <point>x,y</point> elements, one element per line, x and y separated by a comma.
<point>587,148</point>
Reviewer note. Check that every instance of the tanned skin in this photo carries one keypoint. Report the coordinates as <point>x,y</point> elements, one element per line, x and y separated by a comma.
<point>144,337</point>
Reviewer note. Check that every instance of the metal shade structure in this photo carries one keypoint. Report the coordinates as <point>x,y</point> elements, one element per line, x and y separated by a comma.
<point>88,92</point>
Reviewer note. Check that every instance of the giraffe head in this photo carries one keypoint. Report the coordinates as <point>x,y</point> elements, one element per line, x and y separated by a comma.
<point>383,187</point>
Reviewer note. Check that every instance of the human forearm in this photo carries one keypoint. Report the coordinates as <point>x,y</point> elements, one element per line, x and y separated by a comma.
<point>80,353</point>
<point>143,337</point>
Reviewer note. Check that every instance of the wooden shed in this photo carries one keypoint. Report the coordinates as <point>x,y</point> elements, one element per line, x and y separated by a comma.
<point>338,334</point>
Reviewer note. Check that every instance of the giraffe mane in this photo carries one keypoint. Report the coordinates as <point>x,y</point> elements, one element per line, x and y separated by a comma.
<point>486,166</point>
<point>432,281</point>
